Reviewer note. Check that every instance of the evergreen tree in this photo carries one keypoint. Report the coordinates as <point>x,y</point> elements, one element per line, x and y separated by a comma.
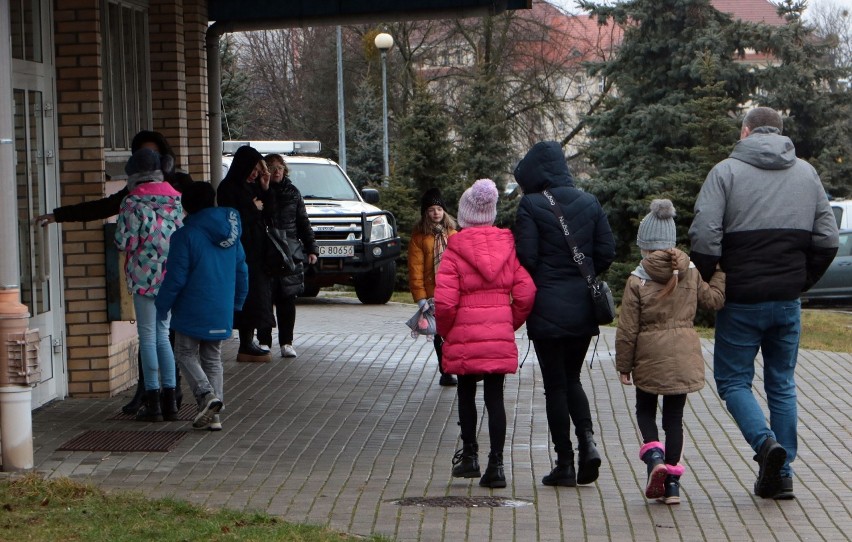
<point>234,87</point>
<point>668,123</point>
<point>364,145</point>
<point>423,152</point>
<point>484,148</point>
<point>806,85</point>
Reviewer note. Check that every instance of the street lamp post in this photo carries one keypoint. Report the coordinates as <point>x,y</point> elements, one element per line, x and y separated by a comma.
<point>383,43</point>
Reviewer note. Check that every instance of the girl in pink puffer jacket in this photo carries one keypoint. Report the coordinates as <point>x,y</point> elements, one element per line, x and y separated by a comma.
<point>482,296</point>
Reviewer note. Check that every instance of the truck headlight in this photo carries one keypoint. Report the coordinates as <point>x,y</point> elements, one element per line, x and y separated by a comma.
<point>380,229</point>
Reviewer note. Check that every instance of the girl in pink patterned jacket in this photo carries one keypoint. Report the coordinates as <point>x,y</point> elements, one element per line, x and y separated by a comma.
<point>149,215</point>
<point>482,296</point>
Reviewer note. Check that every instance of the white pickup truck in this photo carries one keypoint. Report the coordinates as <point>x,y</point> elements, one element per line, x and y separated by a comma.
<point>358,242</point>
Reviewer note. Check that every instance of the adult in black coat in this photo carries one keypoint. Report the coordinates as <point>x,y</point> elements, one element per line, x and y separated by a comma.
<point>288,215</point>
<point>246,189</point>
<point>562,322</point>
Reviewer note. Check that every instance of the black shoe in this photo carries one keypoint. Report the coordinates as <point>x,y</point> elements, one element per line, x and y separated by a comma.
<point>139,397</point>
<point>588,458</point>
<point>786,492</point>
<point>151,411</point>
<point>466,463</point>
<point>494,475</point>
<point>672,492</point>
<point>253,353</point>
<point>562,474</point>
<point>655,487</point>
<point>447,380</point>
<point>771,458</point>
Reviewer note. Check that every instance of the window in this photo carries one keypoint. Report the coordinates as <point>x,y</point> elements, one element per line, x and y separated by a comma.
<point>26,29</point>
<point>127,89</point>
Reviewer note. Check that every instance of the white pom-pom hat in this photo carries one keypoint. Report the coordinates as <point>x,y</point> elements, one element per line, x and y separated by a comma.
<point>478,204</point>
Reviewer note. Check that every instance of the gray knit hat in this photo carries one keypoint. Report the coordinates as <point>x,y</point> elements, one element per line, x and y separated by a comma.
<point>657,229</point>
<point>478,204</point>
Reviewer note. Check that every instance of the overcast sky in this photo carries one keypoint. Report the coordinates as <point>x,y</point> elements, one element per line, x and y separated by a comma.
<point>571,6</point>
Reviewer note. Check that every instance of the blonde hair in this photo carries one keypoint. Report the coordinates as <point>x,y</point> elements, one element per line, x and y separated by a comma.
<point>673,281</point>
<point>424,225</point>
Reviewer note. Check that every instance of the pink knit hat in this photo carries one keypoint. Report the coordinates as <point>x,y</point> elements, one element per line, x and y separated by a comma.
<point>478,204</point>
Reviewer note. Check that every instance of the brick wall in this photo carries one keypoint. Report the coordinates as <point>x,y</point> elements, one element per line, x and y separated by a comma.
<point>79,107</point>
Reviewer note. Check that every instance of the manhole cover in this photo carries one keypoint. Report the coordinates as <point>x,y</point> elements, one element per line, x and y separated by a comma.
<point>463,502</point>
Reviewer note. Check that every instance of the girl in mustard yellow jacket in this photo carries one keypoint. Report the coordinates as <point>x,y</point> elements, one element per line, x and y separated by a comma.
<point>425,249</point>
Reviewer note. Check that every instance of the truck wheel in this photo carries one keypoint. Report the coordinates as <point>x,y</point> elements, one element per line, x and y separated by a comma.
<point>311,290</point>
<point>376,287</point>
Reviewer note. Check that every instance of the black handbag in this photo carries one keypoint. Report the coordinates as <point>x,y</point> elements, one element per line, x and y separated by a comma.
<point>602,301</point>
<point>284,252</point>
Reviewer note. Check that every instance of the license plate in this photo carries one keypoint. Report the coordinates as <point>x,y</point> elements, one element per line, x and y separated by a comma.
<point>336,251</point>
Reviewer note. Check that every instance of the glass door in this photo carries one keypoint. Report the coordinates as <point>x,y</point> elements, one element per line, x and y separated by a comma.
<point>37,188</point>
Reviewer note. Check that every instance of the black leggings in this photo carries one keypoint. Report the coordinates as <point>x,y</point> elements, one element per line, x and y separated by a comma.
<point>493,391</point>
<point>561,362</point>
<point>646,417</point>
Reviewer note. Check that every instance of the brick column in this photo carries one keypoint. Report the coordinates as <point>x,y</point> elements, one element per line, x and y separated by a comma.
<point>168,73</point>
<point>79,107</point>
<point>196,161</point>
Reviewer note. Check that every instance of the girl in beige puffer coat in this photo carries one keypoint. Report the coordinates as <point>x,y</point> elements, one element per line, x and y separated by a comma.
<point>657,345</point>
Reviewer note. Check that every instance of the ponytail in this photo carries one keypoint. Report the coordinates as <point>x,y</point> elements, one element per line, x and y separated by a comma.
<point>673,282</point>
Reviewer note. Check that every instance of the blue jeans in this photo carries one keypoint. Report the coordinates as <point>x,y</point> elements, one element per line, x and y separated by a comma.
<point>774,328</point>
<point>158,360</point>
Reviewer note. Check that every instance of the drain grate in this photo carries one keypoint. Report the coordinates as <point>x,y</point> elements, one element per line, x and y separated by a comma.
<point>463,502</point>
<point>124,441</point>
<point>186,413</point>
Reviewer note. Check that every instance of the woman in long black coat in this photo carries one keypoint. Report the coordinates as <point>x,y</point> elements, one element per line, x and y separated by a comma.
<point>288,215</point>
<point>246,189</point>
<point>562,322</point>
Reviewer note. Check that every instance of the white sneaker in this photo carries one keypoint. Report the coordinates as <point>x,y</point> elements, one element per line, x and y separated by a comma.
<point>216,424</point>
<point>287,351</point>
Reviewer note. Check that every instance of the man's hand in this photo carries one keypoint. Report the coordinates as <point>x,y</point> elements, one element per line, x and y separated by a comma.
<point>625,379</point>
<point>44,220</point>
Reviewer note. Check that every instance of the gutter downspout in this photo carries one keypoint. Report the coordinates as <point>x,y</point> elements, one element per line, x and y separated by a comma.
<point>16,423</point>
<point>214,102</point>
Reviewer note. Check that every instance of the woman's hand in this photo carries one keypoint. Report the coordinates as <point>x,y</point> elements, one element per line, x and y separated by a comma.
<point>44,220</point>
<point>625,379</point>
<point>312,259</point>
<point>258,204</point>
<point>263,179</point>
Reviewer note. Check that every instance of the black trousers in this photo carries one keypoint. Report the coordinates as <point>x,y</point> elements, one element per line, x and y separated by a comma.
<point>646,418</point>
<point>561,361</point>
<point>438,342</point>
<point>285,313</point>
<point>493,391</point>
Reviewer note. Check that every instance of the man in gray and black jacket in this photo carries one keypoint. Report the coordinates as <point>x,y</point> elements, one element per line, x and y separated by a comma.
<point>763,216</point>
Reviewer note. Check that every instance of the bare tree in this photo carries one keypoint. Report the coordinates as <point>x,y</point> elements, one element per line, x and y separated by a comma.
<point>833,23</point>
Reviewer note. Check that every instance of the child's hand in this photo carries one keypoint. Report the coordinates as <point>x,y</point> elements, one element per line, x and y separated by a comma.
<point>625,379</point>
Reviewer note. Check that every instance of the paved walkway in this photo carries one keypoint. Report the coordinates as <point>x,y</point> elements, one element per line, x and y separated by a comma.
<point>358,421</point>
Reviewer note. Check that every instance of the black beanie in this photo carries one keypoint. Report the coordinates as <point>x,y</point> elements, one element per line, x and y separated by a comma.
<point>431,197</point>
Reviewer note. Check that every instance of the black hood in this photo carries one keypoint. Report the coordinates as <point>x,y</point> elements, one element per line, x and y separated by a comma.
<point>244,161</point>
<point>543,167</point>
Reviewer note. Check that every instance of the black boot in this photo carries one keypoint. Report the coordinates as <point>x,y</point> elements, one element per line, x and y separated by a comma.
<point>169,406</point>
<point>139,397</point>
<point>588,460</point>
<point>654,457</point>
<point>672,490</point>
<point>465,462</point>
<point>151,411</point>
<point>562,474</point>
<point>494,476</point>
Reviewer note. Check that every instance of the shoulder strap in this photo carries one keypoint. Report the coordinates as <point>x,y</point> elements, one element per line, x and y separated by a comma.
<point>578,257</point>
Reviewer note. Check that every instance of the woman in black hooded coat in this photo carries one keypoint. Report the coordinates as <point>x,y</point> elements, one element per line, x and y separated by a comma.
<point>562,322</point>
<point>246,189</point>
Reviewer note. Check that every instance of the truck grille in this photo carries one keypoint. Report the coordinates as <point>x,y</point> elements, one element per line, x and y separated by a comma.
<point>328,228</point>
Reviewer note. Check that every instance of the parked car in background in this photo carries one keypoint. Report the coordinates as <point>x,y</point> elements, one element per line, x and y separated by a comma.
<point>836,285</point>
<point>358,242</point>
<point>842,212</point>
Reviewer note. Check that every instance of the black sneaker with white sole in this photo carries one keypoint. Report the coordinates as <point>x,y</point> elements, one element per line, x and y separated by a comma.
<point>208,407</point>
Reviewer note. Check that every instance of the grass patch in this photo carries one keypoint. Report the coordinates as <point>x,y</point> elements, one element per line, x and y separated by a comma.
<point>32,508</point>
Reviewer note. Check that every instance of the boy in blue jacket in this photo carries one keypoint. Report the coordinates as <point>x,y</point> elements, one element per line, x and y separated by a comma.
<point>206,280</point>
